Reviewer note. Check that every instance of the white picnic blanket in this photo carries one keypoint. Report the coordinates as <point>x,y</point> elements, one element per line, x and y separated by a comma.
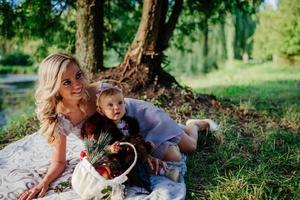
<point>24,163</point>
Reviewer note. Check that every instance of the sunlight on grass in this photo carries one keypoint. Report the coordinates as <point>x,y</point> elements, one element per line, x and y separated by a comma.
<point>260,155</point>
<point>236,187</point>
<point>240,75</point>
<point>264,82</point>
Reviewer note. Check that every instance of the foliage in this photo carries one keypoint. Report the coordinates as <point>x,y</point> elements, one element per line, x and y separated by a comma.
<point>245,25</point>
<point>266,35</point>
<point>17,129</point>
<point>120,23</point>
<point>53,20</point>
<point>198,15</point>
<point>16,58</point>
<point>289,28</point>
<point>230,26</point>
<point>47,20</point>
<point>191,58</point>
<point>97,149</point>
<point>7,17</point>
<point>22,121</point>
<point>278,33</point>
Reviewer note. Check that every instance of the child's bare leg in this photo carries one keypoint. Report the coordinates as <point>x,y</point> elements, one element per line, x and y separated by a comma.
<point>188,142</point>
<point>172,154</point>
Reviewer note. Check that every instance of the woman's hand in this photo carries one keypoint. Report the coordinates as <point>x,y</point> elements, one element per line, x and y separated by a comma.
<point>37,191</point>
<point>156,164</point>
<point>55,169</point>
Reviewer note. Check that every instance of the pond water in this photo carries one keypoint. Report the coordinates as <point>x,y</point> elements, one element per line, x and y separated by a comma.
<point>13,88</point>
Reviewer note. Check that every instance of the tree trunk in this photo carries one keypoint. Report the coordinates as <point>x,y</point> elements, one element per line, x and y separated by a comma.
<point>207,64</point>
<point>89,35</point>
<point>141,69</point>
<point>205,33</point>
<point>230,30</point>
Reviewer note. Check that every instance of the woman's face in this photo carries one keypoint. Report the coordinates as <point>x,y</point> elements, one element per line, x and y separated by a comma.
<point>72,84</point>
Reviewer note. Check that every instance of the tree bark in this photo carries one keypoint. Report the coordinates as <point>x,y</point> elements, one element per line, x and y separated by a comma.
<point>169,27</point>
<point>205,33</point>
<point>141,69</point>
<point>230,37</point>
<point>89,35</point>
<point>146,37</point>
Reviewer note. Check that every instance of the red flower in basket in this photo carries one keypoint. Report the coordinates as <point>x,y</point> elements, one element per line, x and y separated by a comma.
<point>104,171</point>
<point>82,154</point>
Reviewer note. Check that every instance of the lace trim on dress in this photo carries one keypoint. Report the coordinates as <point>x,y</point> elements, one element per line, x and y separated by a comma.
<point>65,126</point>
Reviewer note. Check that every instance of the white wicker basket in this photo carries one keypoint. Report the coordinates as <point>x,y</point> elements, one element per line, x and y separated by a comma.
<point>89,184</point>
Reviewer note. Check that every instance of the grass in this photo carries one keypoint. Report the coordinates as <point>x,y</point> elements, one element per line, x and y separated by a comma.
<point>260,156</point>
<point>18,128</point>
<point>22,121</point>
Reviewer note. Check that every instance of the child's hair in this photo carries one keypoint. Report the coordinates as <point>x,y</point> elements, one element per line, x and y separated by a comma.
<point>107,91</point>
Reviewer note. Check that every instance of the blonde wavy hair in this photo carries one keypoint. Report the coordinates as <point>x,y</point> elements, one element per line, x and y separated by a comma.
<point>47,97</point>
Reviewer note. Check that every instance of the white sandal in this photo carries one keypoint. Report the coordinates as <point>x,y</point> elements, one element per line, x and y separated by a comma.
<point>213,126</point>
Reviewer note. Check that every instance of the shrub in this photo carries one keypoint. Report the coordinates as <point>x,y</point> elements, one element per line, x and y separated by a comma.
<point>16,58</point>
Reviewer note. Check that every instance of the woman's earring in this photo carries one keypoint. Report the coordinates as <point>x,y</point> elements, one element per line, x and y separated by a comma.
<point>58,97</point>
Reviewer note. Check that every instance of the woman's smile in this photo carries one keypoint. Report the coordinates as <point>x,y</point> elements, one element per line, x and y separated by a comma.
<point>78,92</point>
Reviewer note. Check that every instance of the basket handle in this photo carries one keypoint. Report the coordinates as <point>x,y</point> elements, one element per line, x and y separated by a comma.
<point>120,178</point>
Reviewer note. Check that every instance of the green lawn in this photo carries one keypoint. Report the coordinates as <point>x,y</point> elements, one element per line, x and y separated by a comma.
<point>260,155</point>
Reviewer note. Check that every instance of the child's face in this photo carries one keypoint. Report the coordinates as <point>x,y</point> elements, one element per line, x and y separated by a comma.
<point>113,107</point>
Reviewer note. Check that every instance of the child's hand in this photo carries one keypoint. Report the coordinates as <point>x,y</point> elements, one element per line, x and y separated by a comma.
<point>115,147</point>
<point>156,165</point>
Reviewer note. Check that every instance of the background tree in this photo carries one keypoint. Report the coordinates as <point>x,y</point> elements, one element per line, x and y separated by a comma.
<point>142,64</point>
<point>289,31</point>
<point>278,32</point>
<point>43,24</point>
<point>104,30</point>
<point>118,27</point>
<point>89,35</point>
<point>141,67</point>
<point>265,36</point>
<point>6,26</point>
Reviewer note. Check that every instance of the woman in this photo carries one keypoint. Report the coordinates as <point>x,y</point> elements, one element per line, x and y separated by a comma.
<point>64,100</point>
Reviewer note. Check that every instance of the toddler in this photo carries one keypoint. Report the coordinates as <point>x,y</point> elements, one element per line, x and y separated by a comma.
<point>110,104</point>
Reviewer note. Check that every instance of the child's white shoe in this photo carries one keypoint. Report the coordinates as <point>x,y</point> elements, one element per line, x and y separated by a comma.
<point>213,126</point>
<point>172,174</point>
